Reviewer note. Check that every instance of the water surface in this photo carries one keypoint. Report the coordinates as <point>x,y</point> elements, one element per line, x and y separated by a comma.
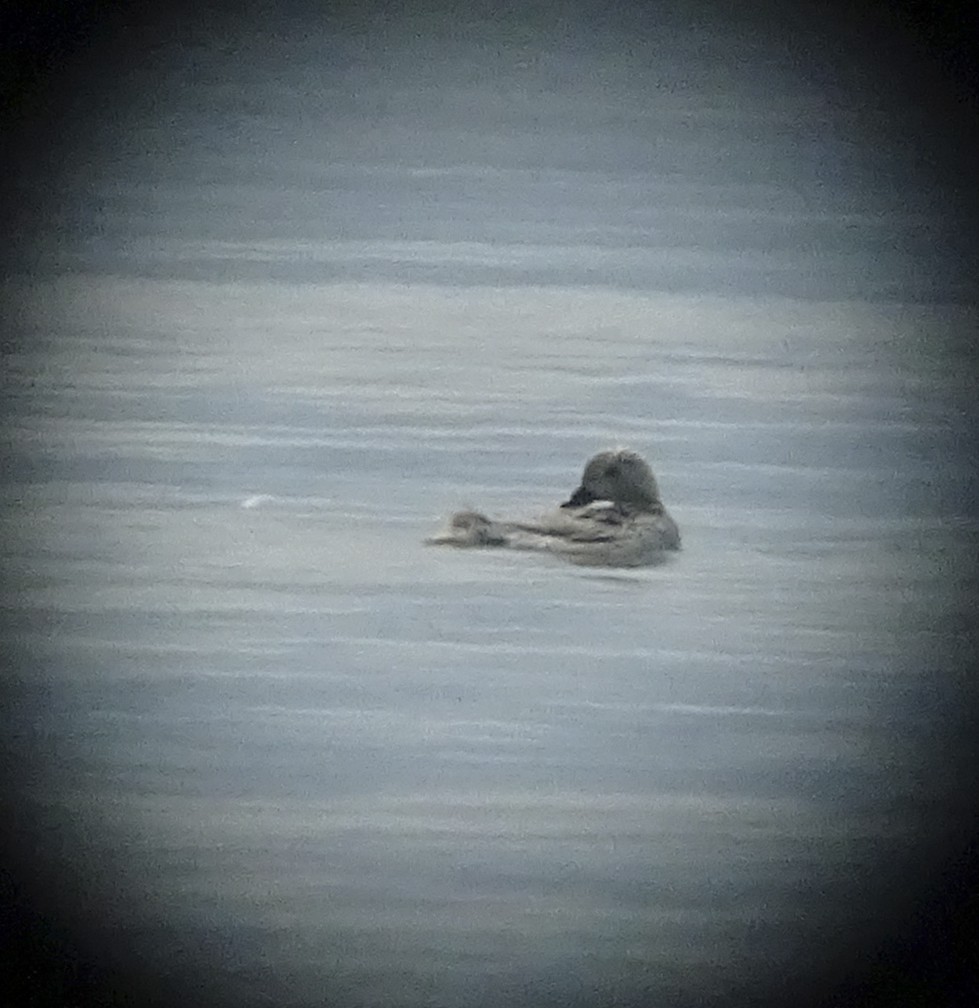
<point>245,381</point>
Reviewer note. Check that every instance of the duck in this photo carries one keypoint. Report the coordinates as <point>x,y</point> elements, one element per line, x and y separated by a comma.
<point>614,518</point>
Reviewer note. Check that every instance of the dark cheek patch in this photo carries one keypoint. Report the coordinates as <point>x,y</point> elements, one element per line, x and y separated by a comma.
<point>578,498</point>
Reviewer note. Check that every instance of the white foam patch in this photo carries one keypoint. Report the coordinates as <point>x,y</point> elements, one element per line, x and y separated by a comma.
<point>257,500</point>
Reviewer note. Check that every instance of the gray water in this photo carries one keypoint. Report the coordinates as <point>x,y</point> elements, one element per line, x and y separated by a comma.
<point>297,306</point>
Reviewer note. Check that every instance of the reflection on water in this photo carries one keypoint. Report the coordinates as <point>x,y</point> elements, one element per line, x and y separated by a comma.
<point>341,763</point>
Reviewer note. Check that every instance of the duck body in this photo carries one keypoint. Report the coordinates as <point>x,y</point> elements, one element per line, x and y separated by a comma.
<point>614,518</point>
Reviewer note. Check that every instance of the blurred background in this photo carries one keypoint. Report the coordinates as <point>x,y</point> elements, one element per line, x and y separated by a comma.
<point>283,286</point>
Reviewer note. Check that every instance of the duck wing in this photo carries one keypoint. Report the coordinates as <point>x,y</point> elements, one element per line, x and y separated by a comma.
<point>600,521</point>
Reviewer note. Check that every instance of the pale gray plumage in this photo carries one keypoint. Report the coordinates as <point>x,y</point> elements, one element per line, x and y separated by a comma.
<point>614,518</point>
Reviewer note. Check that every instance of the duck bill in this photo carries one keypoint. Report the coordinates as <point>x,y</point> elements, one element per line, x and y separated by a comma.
<point>579,498</point>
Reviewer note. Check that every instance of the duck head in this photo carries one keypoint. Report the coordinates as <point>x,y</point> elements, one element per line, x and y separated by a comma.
<point>621,476</point>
